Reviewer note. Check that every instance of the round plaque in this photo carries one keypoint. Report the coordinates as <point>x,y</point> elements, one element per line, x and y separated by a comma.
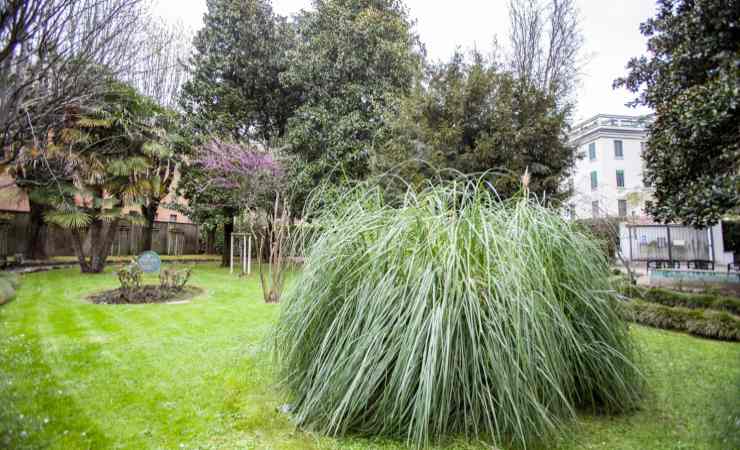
<point>149,262</point>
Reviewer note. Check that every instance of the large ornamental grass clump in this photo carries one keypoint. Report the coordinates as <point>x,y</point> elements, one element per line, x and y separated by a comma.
<point>454,313</point>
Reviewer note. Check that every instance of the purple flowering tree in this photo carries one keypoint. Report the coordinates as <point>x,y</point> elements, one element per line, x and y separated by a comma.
<point>236,166</point>
<point>226,179</point>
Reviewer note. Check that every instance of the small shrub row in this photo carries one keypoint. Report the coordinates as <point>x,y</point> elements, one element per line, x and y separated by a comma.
<point>8,284</point>
<point>171,283</point>
<point>699,322</point>
<point>682,299</point>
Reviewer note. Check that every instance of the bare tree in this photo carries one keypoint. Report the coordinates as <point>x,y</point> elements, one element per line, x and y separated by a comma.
<point>161,70</point>
<point>54,53</point>
<point>546,44</point>
<point>275,243</point>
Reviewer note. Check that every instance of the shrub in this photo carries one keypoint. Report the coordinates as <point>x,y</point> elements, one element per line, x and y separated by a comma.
<point>130,277</point>
<point>454,313</point>
<point>699,322</point>
<point>174,279</point>
<point>605,231</point>
<point>731,235</point>
<point>683,299</point>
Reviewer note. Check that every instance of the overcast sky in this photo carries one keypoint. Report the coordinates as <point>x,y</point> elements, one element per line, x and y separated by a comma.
<point>611,30</point>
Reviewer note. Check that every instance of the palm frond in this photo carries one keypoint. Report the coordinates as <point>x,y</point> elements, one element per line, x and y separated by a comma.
<point>109,215</point>
<point>157,150</point>
<point>91,122</point>
<point>68,217</point>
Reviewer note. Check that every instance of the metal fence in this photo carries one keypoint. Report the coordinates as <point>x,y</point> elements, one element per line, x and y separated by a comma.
<point>669,242</point>
<point>168,238</point>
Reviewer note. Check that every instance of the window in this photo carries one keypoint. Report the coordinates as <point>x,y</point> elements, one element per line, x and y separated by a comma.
<point>592,151</point>
<point>618,150</point>
<point>173,217</point>
<point>594,180</point>
<point>595,209</point>
<point>620,178</point>
<point>622,208</point>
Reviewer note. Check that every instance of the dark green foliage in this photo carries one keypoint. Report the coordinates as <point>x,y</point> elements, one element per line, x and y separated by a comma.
<point>452,314</point>
<point>700,322</point>
<point>687,300</point>
<point>731,235</point>
<point>353,61</point>
<point>667,297</point>
<point>237,94</point>
<point>240,54</point>
<point>693,83</point>
<point>471,116</point>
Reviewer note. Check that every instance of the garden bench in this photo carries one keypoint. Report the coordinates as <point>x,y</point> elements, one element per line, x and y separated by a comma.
<point>701,264</point>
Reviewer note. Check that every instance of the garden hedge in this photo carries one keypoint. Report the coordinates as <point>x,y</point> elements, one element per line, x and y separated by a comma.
<point>688,300</point>
<point>699,322</point>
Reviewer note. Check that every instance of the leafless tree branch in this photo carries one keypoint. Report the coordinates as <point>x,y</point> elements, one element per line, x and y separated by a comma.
<point>546,44</point>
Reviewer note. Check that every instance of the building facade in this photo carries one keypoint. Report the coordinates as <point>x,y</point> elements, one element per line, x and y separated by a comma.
<point>607,180</point>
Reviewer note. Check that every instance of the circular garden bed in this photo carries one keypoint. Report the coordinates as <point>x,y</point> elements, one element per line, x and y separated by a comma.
<point>145,294</point>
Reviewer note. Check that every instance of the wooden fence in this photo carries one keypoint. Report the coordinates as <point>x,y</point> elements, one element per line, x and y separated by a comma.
<point>168,239</point>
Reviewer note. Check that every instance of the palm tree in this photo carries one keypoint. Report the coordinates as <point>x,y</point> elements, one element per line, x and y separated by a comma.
<point>100,169</point>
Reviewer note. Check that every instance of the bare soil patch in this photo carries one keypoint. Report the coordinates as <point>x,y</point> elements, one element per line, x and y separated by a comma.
<point>145,294</point>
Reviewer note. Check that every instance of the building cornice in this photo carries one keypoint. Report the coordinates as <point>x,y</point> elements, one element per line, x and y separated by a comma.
<point>613,133</point>
<point>612,124</point>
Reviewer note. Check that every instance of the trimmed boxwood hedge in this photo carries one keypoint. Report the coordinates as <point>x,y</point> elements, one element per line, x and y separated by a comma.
<point>682,299</point>
<point>699,322</point>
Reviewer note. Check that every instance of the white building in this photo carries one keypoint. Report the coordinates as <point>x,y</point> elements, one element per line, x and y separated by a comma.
<point>607,180</point>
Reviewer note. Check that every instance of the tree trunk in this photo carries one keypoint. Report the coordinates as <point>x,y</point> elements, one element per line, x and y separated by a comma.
<point>150,214</point>
<point>211,242</point>
<point>228,229</point>
<point>269,238</point>
<point>100,248</point>
<point>78,244</point>
<point>37,232</point>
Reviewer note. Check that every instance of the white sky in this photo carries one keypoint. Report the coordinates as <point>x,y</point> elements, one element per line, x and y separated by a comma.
<point>610,27</point>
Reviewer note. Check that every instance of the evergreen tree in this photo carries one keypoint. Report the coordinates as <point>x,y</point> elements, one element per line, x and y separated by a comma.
<point>240,54</point>
<point>692,80</point>
<point>471,116</point>
<point>353,60</point>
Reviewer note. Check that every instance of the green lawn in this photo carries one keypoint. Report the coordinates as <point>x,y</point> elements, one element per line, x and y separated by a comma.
<point>76,375</point>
